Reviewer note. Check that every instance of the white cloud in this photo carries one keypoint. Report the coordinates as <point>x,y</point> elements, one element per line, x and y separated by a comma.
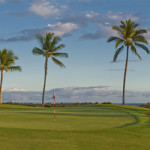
<point>44,8</point>
<point>61,29</point>
<point>116,17</point>
<point>103,31</point>
<point>92,14</point>
<point>15,90</point>
<point>104,23</point>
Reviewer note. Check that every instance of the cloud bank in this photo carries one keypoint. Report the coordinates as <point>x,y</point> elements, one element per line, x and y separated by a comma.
<point>76,94</point>
<point>67,23</point>
<point>60,29</point>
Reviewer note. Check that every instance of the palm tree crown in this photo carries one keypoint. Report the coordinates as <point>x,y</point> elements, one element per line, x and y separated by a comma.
<point>50,48</point>
<point>129,36</point>
<point>7,61</point>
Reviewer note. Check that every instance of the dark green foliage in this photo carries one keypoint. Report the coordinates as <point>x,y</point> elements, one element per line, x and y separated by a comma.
<point>107,103</point>
<point>50,48</point>
<point>145,105</point>
<point>7,61</point>
<point>129,35</point>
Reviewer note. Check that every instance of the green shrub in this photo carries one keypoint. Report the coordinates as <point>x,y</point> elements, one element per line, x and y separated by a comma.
<point>107,103</point>
<point>47,105</point>
<point>145,105</point>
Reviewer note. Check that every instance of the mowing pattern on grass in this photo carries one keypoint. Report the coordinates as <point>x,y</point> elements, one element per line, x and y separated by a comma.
<point>110,127</point>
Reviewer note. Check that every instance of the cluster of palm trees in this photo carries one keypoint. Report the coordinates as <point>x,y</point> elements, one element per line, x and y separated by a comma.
<point>127,36</point>
<point>49,49</point>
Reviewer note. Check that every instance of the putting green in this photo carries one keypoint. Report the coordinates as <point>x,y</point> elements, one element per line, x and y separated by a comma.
<point>111,127</point>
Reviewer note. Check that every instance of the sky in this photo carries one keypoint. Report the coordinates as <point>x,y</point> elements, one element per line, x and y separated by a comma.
<point>84,27</point>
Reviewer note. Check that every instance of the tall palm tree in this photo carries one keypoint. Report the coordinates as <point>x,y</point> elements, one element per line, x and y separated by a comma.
<point>7,62</point>
<point>130,37</point>
<point>49,49</point>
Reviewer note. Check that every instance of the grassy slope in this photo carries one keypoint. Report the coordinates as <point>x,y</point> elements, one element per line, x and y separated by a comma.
<point>104,127</point>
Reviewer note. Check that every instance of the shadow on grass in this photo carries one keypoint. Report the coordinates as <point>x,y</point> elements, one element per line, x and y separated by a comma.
<point>71,114</point>
<point>132,123</point>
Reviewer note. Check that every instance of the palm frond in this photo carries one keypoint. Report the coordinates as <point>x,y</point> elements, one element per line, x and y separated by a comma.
<point>140,38</point>
<point>55,41</point>
<point>40,39</point>
<point>65,55</point>
<point>113,39</point>
<point>117,53</point>
<point>134,25</point>
<point>59,63</point>
<point>59,47</point>
<point>140,32</point>
<point>133,49</point>
<point>132,34</point>
<point>14,68</point>
<point>116,28</point>
<point>38,51</point>
<point>143,47</point>
<point>118,43</point>
<point>123,24</point>
<point>48,40</point>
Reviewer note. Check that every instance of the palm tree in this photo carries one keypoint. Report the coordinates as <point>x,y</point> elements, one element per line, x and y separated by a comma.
<point>49,49</point>
<point>130,37</point>
<point>7,62</point>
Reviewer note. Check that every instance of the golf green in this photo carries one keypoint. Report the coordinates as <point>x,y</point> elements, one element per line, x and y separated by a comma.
<point>91,127</point>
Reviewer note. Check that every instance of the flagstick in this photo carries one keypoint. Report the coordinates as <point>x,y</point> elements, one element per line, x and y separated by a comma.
<point>54,108</point>
<point>54,103</point>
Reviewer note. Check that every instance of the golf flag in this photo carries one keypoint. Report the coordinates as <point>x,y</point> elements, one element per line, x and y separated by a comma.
<point>53,95</point>
<point>54,103</point>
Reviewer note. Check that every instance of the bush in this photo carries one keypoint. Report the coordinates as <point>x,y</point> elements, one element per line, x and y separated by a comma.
<point>107,103</point>
<point>76,104</point>
<point>62,105</point>
<point>145,105</point>
<point>47,105</point>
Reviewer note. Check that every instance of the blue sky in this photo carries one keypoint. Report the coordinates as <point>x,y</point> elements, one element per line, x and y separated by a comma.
<point>84,26</point>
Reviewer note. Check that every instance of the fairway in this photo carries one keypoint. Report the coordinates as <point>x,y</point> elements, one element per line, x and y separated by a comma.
<point>95,127</point>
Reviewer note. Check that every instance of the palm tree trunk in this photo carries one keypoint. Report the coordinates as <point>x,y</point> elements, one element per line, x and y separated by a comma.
<point>46,61</point>
<point>125,73</point>
<point>1,87</point>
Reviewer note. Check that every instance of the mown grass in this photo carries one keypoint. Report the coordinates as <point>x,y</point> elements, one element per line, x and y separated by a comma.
<point>95,127</point>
